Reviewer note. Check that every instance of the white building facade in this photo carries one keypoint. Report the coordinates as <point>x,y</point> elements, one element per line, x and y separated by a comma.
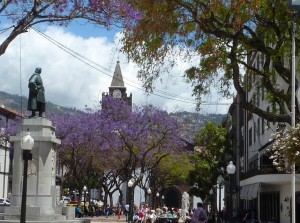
<point>260,187</point>
<point>6,114</point>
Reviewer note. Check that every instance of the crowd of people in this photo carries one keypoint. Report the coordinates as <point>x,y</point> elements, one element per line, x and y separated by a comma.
<point>167,215</point>
<point>92,209</point>
<point>163,215</point>
<point>146,215</point>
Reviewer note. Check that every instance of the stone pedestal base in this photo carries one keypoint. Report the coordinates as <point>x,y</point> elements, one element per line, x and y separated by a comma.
<point>41,206</point>
<point>34,215</point>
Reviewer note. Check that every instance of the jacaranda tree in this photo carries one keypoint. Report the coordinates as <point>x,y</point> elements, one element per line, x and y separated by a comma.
<point>124,142</point>
<point>141,138</point>
<point>25,14</point>
<point>79,151</point>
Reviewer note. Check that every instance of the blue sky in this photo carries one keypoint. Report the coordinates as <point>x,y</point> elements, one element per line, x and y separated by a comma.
<point>87,30</point>
<point>79,78</point>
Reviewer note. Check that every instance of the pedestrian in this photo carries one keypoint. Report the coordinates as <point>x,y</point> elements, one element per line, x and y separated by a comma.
<point>126,211</point>
<point>224,215</point>
<point>248,217</point>
<point>145,211</point>
<point>199,215</point>
<point>78,213</point>
<point>235,215</point>
<point>106,211</point>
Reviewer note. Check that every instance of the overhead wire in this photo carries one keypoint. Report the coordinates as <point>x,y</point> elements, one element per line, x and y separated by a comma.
<point>107,71</point>
<point>131,83</point>
<point>5,29</point>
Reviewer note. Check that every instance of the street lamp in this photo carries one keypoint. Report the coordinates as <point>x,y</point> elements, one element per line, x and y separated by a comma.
<point>131,198</point>
<point>157,200</point>
<point>84,199</point>
<point>149,194</point>
<point>27,143</point>
<point>220,181</point>
<point>230,170</point>
<point>162,198</point>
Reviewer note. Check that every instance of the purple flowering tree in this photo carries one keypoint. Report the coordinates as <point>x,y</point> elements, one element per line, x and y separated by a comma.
<point>27,13</point>
<point>79,151</point>
<point>8,127</point>
<point>115,144</point>
<point>140,140</point>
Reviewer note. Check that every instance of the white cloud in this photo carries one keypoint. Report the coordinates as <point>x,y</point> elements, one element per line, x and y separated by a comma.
<point>70,82</point>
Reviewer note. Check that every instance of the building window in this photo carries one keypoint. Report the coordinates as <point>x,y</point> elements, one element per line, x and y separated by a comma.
<point>258,126</point>
<point>268,110</point>
<point>258,96</point>
<point>274,110</point>
<point>250,137</point>
<point>254,133</point>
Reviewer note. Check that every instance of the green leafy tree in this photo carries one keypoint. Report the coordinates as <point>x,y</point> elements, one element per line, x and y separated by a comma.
<point>212,148</point>
<point>223,35</point>
<point>173,170</point>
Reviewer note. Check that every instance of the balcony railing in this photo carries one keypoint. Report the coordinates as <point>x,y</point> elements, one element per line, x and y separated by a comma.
<point>267,169</point>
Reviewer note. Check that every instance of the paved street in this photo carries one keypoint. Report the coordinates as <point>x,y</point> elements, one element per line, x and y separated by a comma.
<point>110,219</point>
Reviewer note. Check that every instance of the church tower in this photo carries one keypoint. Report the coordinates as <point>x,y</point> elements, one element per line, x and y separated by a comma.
<point>117,88</point>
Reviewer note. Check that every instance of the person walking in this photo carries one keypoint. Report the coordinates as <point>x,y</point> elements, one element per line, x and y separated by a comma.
<point>199,215</point>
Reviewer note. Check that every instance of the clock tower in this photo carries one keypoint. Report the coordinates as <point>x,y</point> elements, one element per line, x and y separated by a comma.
<point>117,88</point>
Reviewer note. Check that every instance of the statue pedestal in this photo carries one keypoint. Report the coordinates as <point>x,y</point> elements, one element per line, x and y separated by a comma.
<point>41,186</point>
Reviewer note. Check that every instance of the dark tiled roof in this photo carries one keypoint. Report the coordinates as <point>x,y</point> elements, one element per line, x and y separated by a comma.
<point>8,112</point>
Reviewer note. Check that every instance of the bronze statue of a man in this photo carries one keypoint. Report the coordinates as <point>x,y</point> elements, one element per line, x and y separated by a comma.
<point>36,99</point>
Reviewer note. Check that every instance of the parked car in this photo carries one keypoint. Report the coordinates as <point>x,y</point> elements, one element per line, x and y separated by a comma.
<point>73,203</point>
<point>4,202</point>
<point>65,200</point>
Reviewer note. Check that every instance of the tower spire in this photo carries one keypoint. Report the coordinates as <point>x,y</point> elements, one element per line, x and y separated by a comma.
<point>117,80</point>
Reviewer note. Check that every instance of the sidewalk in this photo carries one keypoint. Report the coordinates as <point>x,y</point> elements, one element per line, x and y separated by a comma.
<point>110,219</point>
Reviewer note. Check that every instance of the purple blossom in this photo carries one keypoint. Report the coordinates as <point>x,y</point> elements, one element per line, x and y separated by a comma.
<point>118,136</point>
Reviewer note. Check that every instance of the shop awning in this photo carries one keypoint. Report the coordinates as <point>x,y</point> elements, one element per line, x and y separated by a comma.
<point>253,189</point>
<point>249,192</point>
<point>244,192</point>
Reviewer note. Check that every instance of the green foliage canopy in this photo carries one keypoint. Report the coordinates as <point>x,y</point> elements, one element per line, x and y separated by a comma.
<point>223,36</point>
<point>210,157</point>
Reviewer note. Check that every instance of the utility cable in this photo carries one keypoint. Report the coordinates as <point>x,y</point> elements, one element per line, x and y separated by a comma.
<point>107,72</point>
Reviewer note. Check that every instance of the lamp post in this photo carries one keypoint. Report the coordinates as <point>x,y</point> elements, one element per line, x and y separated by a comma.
<point>162,198</point>
<point>211,192</point>
<point>27,143</point>
<point>230,170</point>
<point>220,181</point>
<point>157,199</point>
<point>149,194</point>
<point>295,6</point>
<point>84,199</point>
<point>130,214</point>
